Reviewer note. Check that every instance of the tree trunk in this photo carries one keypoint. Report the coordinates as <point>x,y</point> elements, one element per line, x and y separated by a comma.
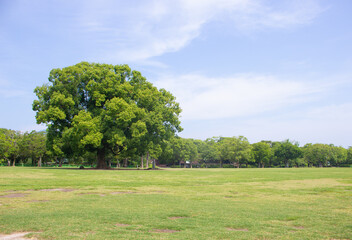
<point>263,164</point>
<point>101,163</point>
<point>286,164</point>
<point>238,164</point>
<point>125,162</point>
<point>220,163</point>
<point>14,162</point>
<point>117,163</point>
<point>153,164</point>
<point>142,163</point>
<point>40,161</point>
<point>109,161</point>
<point>60,162</point>
<point>147,164</point>
<point>8,162</point>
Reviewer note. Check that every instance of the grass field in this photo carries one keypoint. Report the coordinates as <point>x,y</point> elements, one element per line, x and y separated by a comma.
<point>177,203</point>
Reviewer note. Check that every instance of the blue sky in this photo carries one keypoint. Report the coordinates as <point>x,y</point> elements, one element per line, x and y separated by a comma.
<point>264,69</point>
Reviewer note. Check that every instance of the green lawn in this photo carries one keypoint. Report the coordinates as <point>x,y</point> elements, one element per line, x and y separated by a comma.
<point>177,203</point>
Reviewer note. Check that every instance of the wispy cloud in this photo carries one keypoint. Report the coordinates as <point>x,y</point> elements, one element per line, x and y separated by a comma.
<point>153,28</point>
<point>202,97</point>
<point>121,31</point>
<point>328,124</point>
<point>284,14</point>
<point>35,127</point>
<point>325,124</point>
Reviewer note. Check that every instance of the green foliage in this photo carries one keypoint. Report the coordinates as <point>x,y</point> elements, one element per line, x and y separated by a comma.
<point>10,142</point>
<point>181,149</point>
<point>100,107</point>
<point>236,149</point>
<point>286,152</point>
<point>325,155</point>
<point>262,153</point>
<point>211,152</point>
<point>338,155</point>
<point>16,147</point>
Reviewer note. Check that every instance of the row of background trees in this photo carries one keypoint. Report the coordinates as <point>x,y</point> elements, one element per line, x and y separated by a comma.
<point>238,152</point>
<point>32,148</point>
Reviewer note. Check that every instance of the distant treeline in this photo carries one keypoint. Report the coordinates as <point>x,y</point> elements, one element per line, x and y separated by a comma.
<point>238,152</point>
<point>32,148</point>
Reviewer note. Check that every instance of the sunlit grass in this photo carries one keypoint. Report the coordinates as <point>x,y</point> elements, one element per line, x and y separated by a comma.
<point>177,203</point>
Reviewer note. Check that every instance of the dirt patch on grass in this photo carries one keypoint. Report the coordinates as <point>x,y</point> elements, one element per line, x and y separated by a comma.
<point>114,193</point>
<point>238,229</point>
<point>14,195</point>
<point>298,227</point>
<point>90,193</point>
<point>122,225</point>
<point>158,191</point>
<point>57,190</point>
<point>163,231</point>
<point>15,236</point>
<point>177,217</point>
<point>38,201</point>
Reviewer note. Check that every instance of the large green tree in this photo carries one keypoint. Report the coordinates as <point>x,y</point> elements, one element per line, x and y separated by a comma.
<point>101,108</point>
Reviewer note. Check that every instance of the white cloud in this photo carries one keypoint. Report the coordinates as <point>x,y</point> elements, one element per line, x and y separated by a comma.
<point>35,127</point>
<point>327,124</point>
<point>152,28</point>
<point>282,15</point>
<point>202,97</point>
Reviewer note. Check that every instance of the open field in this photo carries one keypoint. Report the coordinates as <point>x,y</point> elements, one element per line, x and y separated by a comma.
<point>177,203</point>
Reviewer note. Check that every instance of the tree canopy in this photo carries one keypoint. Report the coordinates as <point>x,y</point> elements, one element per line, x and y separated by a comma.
<point>287,151</point>
<point>100,107</point>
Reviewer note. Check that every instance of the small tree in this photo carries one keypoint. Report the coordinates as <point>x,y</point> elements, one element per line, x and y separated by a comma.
<point>287,151</point>
<point>10,141</point>
<point>262,153</point>
<point>236,149</point>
